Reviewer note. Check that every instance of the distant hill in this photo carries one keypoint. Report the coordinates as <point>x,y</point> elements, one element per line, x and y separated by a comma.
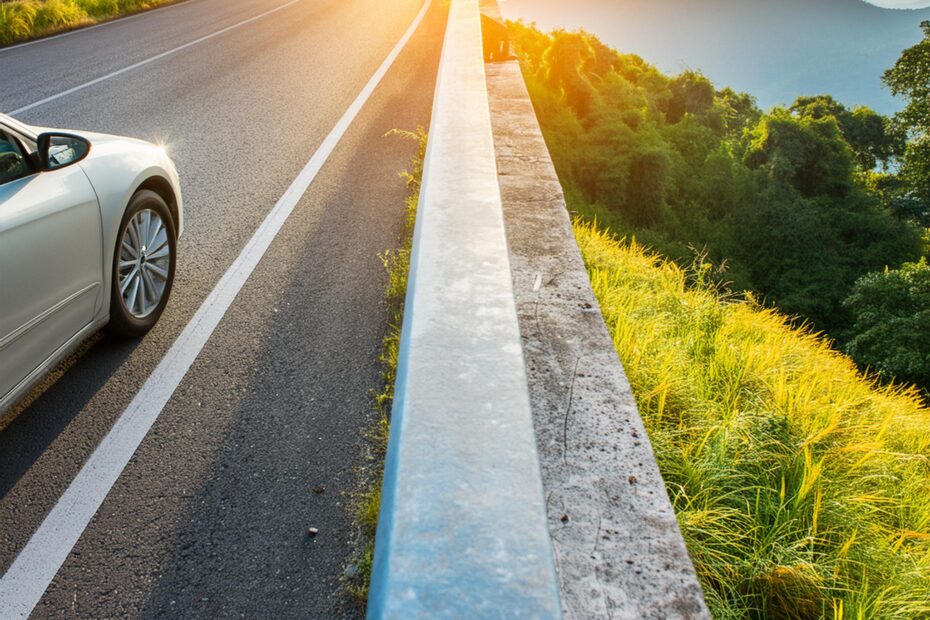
<point>774,49</point>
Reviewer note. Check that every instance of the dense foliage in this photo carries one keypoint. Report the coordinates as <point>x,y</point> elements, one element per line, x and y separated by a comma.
<point>799,485</point>
<point>892,322</point>
<point>798,203</point>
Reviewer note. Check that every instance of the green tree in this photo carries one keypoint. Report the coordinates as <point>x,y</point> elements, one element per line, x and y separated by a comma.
<point>791,254</point>
<point>891,311</point>
<point>819,106</point>
<point>910,78</point>
<point>914,187</point>
<point>901,193</point>
<point>690,93</point>
<point>806,153</point>
<point>871,136</point>
<point>565,60</point>
<point>740,111</point>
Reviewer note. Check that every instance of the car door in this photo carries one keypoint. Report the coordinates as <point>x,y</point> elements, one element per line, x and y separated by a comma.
<point>50,260</point>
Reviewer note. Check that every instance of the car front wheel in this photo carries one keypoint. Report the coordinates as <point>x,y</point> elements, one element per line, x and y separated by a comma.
<point>143,265</point>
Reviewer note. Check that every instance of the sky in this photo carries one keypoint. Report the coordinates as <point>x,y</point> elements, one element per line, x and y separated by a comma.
<point>774,49</point>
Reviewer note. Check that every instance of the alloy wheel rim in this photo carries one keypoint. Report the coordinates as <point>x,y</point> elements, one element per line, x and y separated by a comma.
<point>144,263</point>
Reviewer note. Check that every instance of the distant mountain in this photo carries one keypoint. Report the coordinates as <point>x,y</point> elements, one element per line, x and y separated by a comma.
<point>773,49</point>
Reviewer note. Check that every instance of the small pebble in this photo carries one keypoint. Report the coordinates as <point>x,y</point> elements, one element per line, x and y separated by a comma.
<point>312,532</point>
<point>318,490</point>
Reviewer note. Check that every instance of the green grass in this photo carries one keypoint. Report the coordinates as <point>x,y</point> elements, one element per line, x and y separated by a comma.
<point>801,486</point>
<point>397,265</point>
<point>21,20</point>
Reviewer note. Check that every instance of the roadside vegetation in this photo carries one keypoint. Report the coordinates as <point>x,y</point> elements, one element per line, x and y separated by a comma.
<point>397,265</point>
<point>801,486</point>
<point>21,20</point>
<point>805,206</point>
<point>722,241</point>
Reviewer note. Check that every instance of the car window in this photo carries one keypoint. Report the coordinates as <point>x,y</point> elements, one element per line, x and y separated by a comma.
<point>13,163</point>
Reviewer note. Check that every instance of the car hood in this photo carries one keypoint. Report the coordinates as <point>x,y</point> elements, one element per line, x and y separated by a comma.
<point>107,143</point>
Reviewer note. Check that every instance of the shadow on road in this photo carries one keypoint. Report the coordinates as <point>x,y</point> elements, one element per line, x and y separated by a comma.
<point>55,403</point>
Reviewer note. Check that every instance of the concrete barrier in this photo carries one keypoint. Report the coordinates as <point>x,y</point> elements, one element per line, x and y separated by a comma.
<point>462,530</point>
<point>620,551</point>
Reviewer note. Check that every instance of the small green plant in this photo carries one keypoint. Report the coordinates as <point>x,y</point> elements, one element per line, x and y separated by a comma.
<point>397,265</point>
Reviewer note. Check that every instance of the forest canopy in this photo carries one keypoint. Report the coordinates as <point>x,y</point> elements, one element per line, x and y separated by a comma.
<point>797,203</point>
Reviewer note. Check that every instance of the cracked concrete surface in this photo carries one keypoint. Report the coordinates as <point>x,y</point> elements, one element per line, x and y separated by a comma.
<point>618,549</point>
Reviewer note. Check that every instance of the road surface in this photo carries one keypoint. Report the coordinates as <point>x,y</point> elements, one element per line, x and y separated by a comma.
<point>210,517</point>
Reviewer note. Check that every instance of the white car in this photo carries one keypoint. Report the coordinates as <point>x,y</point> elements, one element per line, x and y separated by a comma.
<point>89,225</point>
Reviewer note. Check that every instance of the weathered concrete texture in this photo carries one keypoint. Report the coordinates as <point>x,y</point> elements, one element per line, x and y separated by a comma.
<point>619,551</point>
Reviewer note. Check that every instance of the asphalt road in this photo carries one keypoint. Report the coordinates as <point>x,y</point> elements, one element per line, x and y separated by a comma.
<point>209,519</point>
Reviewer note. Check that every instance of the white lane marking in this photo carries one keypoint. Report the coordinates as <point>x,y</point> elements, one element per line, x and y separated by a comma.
<point>109,22</point>
<point>32,571</point>
<point>152,59</point>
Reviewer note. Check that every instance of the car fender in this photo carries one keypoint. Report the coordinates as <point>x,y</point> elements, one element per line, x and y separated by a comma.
<point>117,169</point>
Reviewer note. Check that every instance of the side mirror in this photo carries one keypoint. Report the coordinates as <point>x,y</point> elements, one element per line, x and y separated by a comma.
<point>57,150</point>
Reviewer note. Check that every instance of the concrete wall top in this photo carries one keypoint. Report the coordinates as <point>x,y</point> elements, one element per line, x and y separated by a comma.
<point>462,530</point>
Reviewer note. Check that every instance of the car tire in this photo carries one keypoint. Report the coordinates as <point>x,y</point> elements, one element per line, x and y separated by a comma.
<point>142,276</point>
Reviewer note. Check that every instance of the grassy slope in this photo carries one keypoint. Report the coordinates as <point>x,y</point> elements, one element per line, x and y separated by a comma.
<point>802,488</point>
<point>21,20</point>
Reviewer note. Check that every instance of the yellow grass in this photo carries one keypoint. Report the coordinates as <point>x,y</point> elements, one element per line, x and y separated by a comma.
<point>802,488</point>
<point>28,19</point>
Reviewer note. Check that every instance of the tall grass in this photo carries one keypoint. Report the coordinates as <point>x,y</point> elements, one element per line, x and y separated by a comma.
<point>27,19</point>
<point>802,487</point>
<point>397,265</point>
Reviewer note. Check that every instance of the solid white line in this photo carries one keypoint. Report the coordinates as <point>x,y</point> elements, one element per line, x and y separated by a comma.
<point>25,582</point>
<point>109,22</point>
<point>142,63</point>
